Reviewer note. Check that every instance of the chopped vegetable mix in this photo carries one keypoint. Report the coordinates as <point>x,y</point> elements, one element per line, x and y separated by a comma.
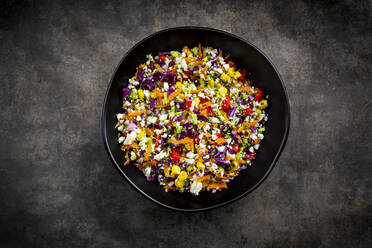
<point>191,120</point>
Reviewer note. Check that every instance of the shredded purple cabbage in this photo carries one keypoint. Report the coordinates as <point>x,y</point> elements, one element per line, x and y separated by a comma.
<point>140,76</point>
<point>158,126</point>
<point>152,103</point>
<point>157,75</point>
<point>169,77</point>
<point>221,163</point>
<point>170,91</point>
<point>187,125</point>
<point>178,118</point>
<point>171,63</point>
<point>231,112</point>
<point>202,118</point>
<point>126,92</point>
<point>150,178</point>
<point>244,102</point>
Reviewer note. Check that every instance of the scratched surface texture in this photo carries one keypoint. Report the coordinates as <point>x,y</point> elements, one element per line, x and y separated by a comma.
<point>58,187</point>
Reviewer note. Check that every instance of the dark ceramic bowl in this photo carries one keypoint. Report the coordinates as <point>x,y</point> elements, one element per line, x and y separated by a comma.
<point>264,76</point>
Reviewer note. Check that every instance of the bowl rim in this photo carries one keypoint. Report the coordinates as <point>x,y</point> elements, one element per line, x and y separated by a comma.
<point>117,166</point>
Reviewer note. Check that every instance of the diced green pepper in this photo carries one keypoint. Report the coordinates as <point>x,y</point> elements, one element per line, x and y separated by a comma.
<point>194,119</point>
<point>165,100</point>
<point>133,95</point>
<point>175,54</point>
<point>194,51</point>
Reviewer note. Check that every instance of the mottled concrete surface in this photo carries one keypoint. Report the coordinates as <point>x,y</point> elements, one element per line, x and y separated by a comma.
<point>58,187</point>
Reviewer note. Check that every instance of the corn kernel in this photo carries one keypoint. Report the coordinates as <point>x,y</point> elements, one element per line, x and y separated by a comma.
<point>197,101</point>
<point>180,183</point>
<point>263,104</point>
<point>222,90</point>
<point>230,71</point>
<point>224,77</point>
<point>153,95</point>
<point>182,176</point>
<point>218,85</point>
<point>258,111</point>
<point>200,165</point>
<point>141,94</point>
<point>178,84</point>
<point>176,170</point>
<point>211,83</point>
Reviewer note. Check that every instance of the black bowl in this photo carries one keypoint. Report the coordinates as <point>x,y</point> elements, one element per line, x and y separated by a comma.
<point>264,76</point>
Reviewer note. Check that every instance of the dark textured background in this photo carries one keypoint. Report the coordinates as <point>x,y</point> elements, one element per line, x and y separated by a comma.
<point>58,187</point>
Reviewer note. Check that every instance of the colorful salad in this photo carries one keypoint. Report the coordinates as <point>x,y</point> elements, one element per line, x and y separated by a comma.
<point>191,120</point>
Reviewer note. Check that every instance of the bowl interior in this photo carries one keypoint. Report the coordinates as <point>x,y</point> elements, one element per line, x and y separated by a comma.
<point>245,56</point>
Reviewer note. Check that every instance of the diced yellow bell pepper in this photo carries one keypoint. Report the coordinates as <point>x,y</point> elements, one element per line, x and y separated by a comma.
<point>200,165</point>
<point>141,94</point>
<point>153,95</point>
<point>224,77</point>
<point>176,170</point>
<point>237,75</point>
<point>263,104</point>
<point>180,183</point>
<point>222,90</point>
<point>182,176</point>
<point>230,71</point>
<point>211,83</point>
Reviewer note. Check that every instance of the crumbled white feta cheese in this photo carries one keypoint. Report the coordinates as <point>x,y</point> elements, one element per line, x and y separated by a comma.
<point>152,119</point>
<point>147,171</point>
<point>191,155</point>
<point>147,93</point>
<point>215,120</point>
<point>160,156</point>
<point>184,65</point>
<point>220,148</point>
<point>253,136</point>
<point>120,128</point>
<point>166,86</point>
<point>121,139</point>
<point>163,117</point>
<point>196,187</point>
<point>158,131</point>
<point>131,137</point>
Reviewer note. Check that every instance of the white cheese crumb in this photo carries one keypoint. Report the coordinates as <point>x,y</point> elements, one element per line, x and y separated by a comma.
<point>196,187</point>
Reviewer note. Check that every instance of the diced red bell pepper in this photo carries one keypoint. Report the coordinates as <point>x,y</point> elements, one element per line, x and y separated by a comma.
<point>258,95</point>
<point>248,111</point>
<point>162,57</point>
<point>225,104</point>
<point>188,103</point>
<point>175,155</point>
